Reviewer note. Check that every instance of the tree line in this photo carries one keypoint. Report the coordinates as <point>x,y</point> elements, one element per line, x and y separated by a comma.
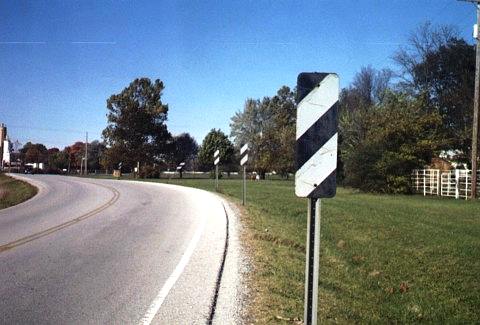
<point>394,121</point>
<point>68,160</point>
<point>390,122</point>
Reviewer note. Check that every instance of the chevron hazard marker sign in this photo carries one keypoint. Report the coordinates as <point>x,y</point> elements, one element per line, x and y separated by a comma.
<point>316,146</point>
<point>316,161</point>
<point>244,160</point>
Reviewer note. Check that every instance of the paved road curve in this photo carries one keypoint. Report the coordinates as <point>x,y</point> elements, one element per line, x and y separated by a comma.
<point>87,251</point>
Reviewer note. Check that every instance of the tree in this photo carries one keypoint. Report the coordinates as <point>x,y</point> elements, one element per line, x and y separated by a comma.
<point>424,40</point>
<point>280,133</point>
<point>34,153</point>
<point>369,87</point>
<point>268,126</point>
<point>57,160</point>
<point>112,157</point>
<point>440,66</point>
<point>397,137</point>
<point>96,150</point>
<point>185,149</point>
<point>215,140</point>
<point>446,77</point>
<point>249,126</point>
<point>75,152</point>
<point>136,129</point>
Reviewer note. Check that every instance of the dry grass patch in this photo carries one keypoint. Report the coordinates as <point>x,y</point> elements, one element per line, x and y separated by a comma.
<point>14,191</point>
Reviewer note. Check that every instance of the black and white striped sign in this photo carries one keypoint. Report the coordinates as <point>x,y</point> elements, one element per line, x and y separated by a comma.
<point>180,166</point>
<point>217,158</point>
<point>242,151</point>
<point>316,146</point>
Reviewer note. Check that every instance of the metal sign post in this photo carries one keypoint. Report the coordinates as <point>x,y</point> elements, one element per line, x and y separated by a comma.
<point>243,162</point>
<point>215,162</point>
<point>312,264</point>
<point>316,163</point>
<point>244,197</point>
<point>216,178</point>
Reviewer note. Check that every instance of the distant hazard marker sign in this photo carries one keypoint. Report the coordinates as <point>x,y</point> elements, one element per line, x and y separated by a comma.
<point>244,148</point>
<point>244,160</point>
<point>244,151</point>
<point>316,135</point>
<point>216,155</point>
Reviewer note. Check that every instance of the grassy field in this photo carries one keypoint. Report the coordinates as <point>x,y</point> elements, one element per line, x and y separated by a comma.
<point>13,191</point>
<point>392,259</point>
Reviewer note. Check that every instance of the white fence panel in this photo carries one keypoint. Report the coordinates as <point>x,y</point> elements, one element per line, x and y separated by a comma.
<point>426,181</point>
<point>448,184</point>
<point>455,183</point>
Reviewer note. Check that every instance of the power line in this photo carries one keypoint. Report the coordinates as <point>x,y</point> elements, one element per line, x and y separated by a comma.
<point>27,127</point>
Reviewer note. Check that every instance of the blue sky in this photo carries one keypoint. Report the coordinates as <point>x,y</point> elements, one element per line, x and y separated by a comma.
<point>61,60</point>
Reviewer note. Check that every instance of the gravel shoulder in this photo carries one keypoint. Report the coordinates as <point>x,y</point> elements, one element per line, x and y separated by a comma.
<point>233,296</point>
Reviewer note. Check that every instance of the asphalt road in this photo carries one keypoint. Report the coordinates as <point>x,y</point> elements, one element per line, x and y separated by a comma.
<point>87,251</point>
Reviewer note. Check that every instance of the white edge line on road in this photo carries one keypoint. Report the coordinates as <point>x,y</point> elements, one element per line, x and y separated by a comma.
<point>162,294</point>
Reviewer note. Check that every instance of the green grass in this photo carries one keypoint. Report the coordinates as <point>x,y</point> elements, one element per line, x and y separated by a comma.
<point>13,191</point>
<point>384,258</point>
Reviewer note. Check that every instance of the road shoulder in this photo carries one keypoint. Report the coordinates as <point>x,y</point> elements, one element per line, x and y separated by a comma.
<point>233,294</point>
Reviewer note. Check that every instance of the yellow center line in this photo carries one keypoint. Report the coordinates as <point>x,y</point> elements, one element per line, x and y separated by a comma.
<point>66,224</point>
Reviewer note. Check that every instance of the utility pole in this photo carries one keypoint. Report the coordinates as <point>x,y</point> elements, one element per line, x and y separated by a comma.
<point>86,153</point>
<point>475,103</point>
<point>475,110</point>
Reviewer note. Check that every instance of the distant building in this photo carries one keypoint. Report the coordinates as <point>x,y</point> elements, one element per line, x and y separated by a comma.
<point>6,151</point>
<point>36,165</point>
<point>441,163</point>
